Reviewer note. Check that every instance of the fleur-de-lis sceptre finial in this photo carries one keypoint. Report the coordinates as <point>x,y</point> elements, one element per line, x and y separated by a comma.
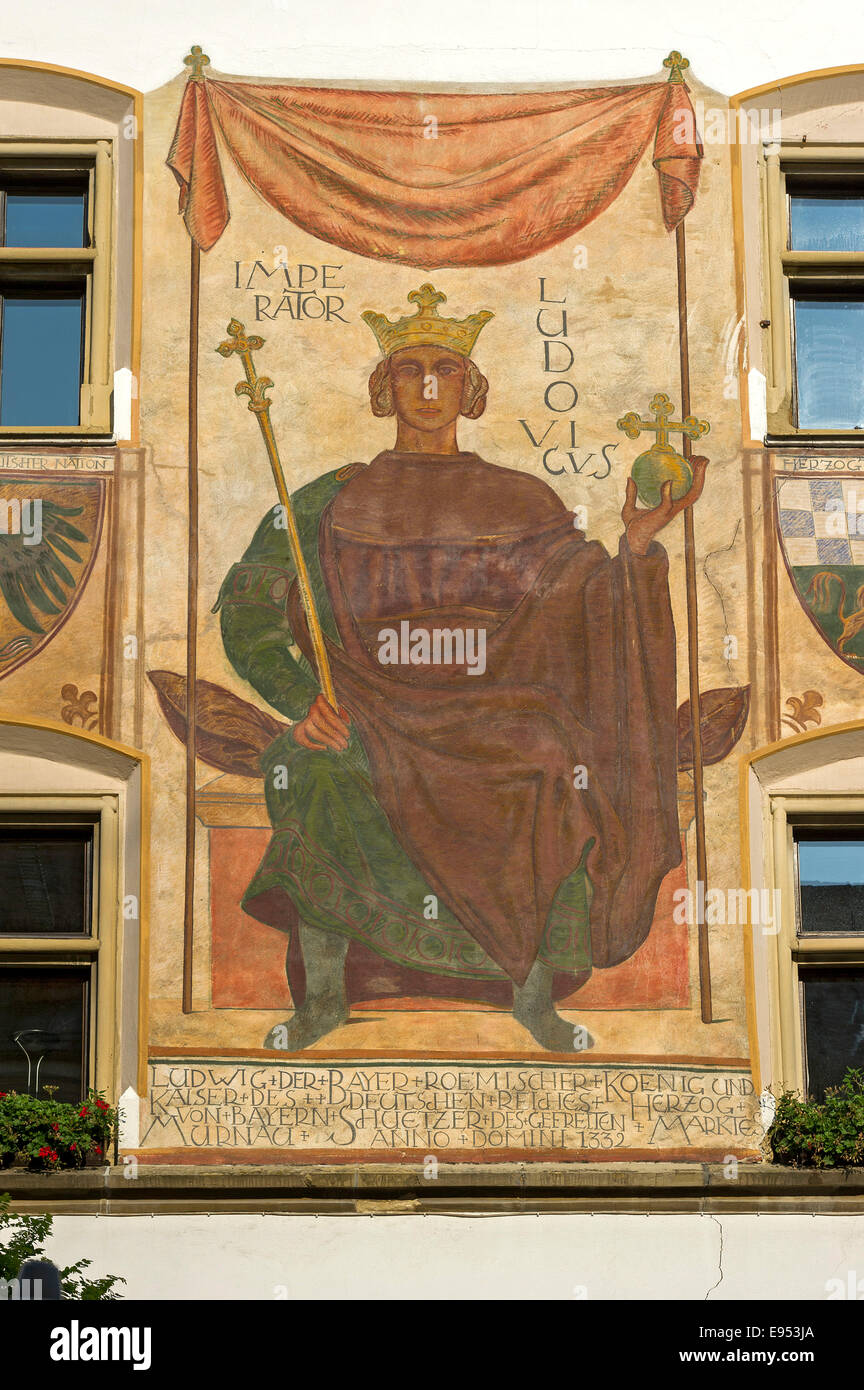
<point>196,61</point>
<point>676,65</point>
<point>255,387</point>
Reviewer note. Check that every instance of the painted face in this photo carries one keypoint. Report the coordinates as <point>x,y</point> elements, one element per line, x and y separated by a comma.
<point>427,384</point>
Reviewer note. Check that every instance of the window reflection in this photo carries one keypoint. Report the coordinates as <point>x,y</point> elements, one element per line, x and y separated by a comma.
<point>829,355</point>
<point>45,880</point>
<point>831,884</point>
<point>40,366</point>
<point>43,1027</point>
<point>826,222</point>
<point>36,218</point>
<point>834,1025</point>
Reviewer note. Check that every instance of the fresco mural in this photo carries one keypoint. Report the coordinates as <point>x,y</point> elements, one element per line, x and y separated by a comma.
<point>457,589</point>
<point>511,688</point>
<point>433,795</point>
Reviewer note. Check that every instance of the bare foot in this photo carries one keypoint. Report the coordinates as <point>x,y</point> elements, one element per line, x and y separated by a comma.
<point>552,1031</point>
<point>307,1025</point>
<point>532,1007</point>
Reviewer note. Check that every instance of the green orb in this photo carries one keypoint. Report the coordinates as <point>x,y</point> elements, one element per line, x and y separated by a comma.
<point>657,466</point>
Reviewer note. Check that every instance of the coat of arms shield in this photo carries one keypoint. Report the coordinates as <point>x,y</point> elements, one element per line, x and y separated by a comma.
<point>49,536</point>
<point>821,528</point>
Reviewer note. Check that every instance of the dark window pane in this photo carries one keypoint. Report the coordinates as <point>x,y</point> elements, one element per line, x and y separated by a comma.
<point>831,881</point>
<point>47,1011</point>
<point>826,222</point>
<point>834,1026</point>
<point>45,880</point>
<point>45,219</point>
<point>40,369</point>
<point>829,356</point>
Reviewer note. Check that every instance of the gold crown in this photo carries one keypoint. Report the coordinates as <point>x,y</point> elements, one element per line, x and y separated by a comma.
<point>426,326</point>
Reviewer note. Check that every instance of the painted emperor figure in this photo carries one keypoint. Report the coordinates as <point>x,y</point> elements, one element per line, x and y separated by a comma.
<point>489,814</point>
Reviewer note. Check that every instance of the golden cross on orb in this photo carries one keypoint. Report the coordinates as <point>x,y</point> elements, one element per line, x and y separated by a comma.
<point>197,60</point>
<point>662,409</point>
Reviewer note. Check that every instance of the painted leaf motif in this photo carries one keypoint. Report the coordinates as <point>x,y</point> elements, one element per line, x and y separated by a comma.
<point>231,734</point>
<point>722,715</point>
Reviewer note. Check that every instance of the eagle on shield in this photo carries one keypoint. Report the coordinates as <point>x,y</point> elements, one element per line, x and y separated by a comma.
<point>47,548</point>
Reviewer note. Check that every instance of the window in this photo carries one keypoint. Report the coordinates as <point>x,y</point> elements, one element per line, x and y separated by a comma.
<point>830,883</point>
<point>814,309</point>
<point>58,881</point>
<point>55,276</point>
<point>820,944</point>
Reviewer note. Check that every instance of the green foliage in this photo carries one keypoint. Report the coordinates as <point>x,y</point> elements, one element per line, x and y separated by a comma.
<point>22,1237</point>
<point>47,1134</point>
<point>821,1134</point>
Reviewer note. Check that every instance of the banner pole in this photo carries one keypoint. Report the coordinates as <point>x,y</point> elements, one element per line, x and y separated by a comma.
<point>196,60</point>
<point>693,641</point>
<point>676,63</point>
<point>191,627</point>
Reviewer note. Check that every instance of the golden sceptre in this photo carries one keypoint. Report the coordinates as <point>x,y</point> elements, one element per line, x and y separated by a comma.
<point>254,387</point>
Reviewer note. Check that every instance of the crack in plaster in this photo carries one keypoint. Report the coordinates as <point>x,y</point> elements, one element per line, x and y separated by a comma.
<point>719,1257</point>
<point>720,550</point>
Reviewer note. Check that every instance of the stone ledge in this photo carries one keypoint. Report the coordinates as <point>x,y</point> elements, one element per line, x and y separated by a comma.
<point>458,1188</point>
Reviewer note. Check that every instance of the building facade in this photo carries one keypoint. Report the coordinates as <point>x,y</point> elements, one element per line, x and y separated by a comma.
<point>443,899</point>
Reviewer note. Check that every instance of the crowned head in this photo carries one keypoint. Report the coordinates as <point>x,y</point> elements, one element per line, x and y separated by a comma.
<point>426,375</point>
<point>426,326</point>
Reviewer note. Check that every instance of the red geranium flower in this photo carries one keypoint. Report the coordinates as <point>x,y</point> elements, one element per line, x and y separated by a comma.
<point>97,1149</point>
<point>73,1146</point>
<point>103,1104</point>
<point>55,1128</point>
<point>83,1110</point>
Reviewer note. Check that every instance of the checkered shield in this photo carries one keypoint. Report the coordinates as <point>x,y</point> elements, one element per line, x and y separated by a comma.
<point>821,527</point>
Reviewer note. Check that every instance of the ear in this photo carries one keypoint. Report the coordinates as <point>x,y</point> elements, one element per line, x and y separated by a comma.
<point>474,392</point>
<point>381,390</point>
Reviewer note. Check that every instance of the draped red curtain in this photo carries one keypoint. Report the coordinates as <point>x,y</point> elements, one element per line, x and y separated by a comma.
<point>432,180</point>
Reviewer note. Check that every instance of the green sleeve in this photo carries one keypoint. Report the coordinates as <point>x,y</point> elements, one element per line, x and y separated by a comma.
<point>258,638</point>
<point>253,605</point>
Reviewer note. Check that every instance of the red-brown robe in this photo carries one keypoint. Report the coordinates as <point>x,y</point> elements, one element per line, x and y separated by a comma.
<point>478,773</point>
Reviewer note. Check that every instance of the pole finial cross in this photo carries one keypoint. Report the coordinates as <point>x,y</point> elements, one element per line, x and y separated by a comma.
<point>196,61</point>
<point>676,64</point>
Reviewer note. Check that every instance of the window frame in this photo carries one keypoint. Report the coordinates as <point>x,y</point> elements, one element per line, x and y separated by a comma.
<point>787,269</point>
<point>98,951</point>
<point>793,953</point>
<point>93,263</point>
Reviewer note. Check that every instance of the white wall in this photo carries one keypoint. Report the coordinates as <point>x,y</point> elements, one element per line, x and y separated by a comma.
<point>575,1257</point>
<point>732,46</point>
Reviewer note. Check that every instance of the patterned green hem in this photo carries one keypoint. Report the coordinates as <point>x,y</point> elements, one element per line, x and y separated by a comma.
<point>325,896</point>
